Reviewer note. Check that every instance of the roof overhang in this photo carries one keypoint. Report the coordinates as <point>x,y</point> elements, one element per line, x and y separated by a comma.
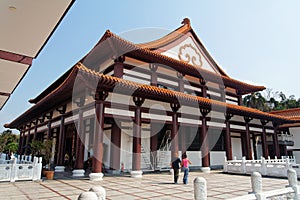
<point>87,79</point>
<point>26,27</point>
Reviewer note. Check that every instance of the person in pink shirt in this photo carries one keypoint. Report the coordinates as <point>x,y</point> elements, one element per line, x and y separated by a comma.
<point>185,168</point>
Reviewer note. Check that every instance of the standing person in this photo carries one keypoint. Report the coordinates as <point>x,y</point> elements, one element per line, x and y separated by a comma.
<point>185,168</point>
<point>176,166</point>
<point>66,160</point>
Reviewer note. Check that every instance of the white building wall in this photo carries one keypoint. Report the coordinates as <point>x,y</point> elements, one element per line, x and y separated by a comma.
<point>236,147</point>
<point>106,147</point>
<point>296,138</point>
<point>126,149</point>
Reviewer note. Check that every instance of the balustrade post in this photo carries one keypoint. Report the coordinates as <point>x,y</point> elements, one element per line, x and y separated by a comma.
<point>287,163</point>
<point>225,164</point>
<point>200,189</point>
<point>100,192</point>
<point>14,170</point>
<point>256,182</point>
<point>293,182</point>
<point>243,165</point>
<point>263,166</point>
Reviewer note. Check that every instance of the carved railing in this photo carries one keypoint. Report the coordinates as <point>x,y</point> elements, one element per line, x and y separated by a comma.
<point>21,168</point>
<point>267,167</point>
<point>291,191</point>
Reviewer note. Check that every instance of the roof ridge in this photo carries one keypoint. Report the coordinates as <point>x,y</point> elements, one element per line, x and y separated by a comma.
<point>133,47</point>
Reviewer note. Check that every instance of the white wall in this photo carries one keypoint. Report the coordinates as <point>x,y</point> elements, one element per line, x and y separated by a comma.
<point>236,147</point>
<point>126,150</point>
<point>296,138</point>
<point>217,158</point>
<point>106,147</point>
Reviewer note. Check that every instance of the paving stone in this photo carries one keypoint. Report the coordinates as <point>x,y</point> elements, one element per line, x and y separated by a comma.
<point>151,186</point>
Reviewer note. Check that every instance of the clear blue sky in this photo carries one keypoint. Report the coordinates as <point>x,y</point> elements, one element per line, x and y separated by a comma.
<point>253,40</point>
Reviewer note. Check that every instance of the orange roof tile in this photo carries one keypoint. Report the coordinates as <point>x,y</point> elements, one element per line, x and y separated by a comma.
<point>291,113</point>
<point>152,56</point>
<point>64,92</point>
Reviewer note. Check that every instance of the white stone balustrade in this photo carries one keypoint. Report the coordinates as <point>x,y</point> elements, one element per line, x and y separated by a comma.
<point>21,168</point>
<point>289,192</point>
<point>267,167</point>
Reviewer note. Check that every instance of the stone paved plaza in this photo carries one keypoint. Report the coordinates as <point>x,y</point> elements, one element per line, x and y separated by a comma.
<point>151,186</point>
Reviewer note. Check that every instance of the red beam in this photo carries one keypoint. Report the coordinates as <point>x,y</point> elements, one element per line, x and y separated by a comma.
<point>15,57</point>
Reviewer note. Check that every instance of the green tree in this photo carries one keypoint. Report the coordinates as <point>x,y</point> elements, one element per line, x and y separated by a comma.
<point>8,141</point>
<point>36,147</point>
<point>255,100</point>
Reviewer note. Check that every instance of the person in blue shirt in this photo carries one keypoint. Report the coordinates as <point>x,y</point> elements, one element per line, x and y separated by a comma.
<point>175,164</point>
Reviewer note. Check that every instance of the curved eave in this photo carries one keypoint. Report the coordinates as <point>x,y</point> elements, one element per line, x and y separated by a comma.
<point>151,92</point>
<point>60,94</point>
<point>52,87</point>
<point>172,36</point>
<point>109,83</point>
<point>147,55</point>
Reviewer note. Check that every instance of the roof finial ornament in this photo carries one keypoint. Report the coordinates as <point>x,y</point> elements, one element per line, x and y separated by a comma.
<point>186,21</point>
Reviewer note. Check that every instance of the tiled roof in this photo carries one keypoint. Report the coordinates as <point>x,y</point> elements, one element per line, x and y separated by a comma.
<point>291,113</point>
<point>145,52</point>
<point>155,93</point>
<point>132,50</point>
<point>79,72</point>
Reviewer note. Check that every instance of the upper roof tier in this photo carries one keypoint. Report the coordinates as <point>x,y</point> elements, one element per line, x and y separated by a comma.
<point>181,50</point>
<point>182,41</point>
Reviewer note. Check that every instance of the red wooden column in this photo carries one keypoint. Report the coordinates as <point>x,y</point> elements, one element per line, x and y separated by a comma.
<point>174,132</point>
<point>264,139</point>
<point>275,139</point>
<point>24,141</point>
<point>240,98</point>
<point>99,131</point>
<point>137,131</point>
<point>27,140</point>
<point>180,82</point>
<point>61,137</point>
<point>119,67</point>
<point>223,93</point>
<point>203,88</point>
<point>35,129</point>
<point>115,149</point>
<point>228,145</point>
<point>22,137</point>
<point>247,139</point>
<point>153,69</point>
<point>60,153</point>
<point>80,135</point>
<point>49,117</point>
<point>204,139</point>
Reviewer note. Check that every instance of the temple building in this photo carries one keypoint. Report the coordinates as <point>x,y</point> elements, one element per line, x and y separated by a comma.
<point>131,107</point>
<point>289,134</point>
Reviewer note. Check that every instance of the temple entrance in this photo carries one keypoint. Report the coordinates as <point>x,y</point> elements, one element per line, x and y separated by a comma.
<point>70,146</point>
